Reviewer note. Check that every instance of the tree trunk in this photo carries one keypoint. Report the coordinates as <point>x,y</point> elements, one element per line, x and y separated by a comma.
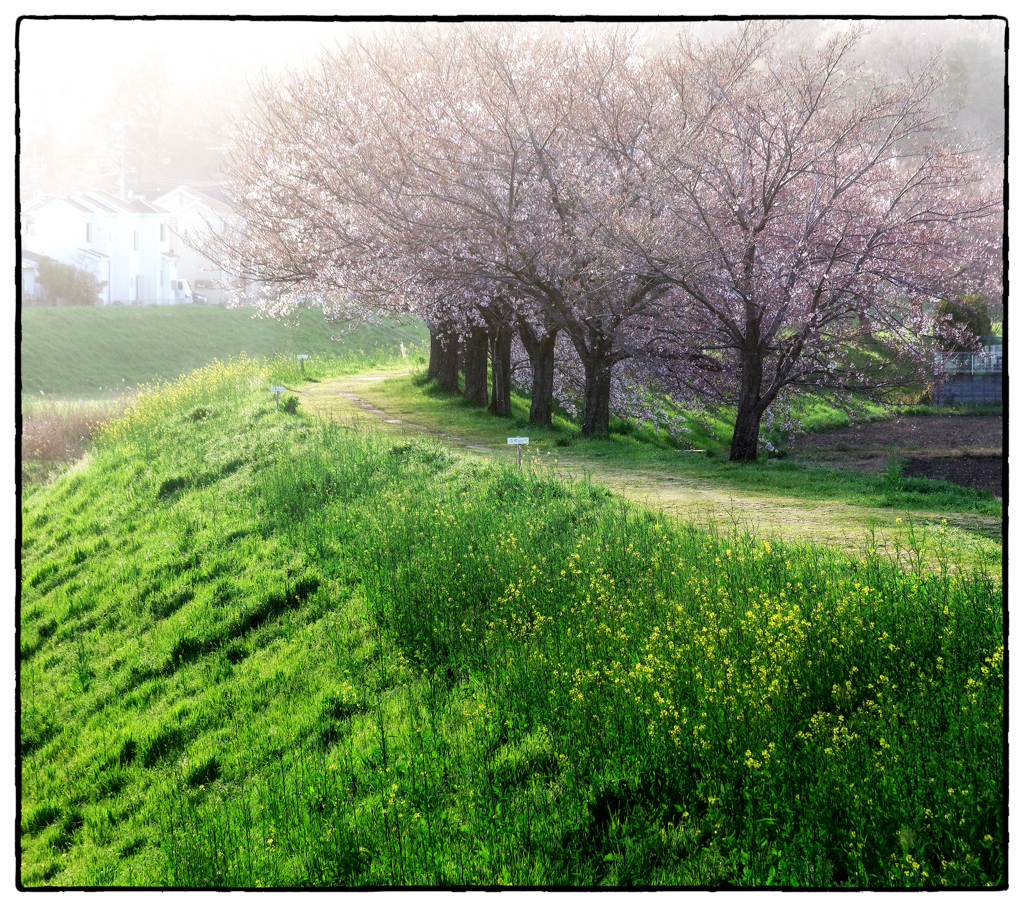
<point>750,409</point>
<point>444,349</point>
<point>594,347</point>
<point>500,318</point>
<point>744,436</point>
<point>434,360</point>
<point>475,368</point>
<point>541,350</point>
<point>864,326</point>
<point>597,394</point>
<point>500,342</point>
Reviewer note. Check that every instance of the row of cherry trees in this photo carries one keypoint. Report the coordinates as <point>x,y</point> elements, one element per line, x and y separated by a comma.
<point>719,224</point>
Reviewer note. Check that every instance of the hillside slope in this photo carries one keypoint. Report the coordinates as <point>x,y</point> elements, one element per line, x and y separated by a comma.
<point>259,649</point>
<point>101,352</point>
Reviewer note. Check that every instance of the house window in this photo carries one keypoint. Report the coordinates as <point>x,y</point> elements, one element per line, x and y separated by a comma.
<point>88,232</point>
<point>136,240</point>
<point>163,232</point>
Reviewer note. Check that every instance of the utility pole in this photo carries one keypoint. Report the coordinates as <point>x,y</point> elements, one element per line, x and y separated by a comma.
<point>122,188</point>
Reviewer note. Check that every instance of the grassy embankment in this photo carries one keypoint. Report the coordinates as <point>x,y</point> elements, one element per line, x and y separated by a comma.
<point>259,649</point>
<point>102,353</point>
<point>79,365</point>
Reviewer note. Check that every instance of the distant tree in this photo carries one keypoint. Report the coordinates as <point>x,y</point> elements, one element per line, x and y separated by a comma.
<point>74,286</point>
<point>135,127</point>
<point>965,321</point>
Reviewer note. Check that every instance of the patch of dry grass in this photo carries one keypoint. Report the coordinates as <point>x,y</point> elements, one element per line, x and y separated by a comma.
<point>56,433</point>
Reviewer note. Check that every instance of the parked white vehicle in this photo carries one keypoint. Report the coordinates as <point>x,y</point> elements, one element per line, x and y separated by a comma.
<point>182,291</point>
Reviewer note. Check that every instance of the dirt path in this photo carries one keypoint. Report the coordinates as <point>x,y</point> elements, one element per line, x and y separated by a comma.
<point>691,498</point>
<point>367,407</point>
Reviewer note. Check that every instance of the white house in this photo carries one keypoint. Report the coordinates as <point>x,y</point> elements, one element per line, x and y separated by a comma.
<point>67,230</point>
<point>191,214</point>
<point>29,276</point>
<point>125,243</point>
<point>137,248</point>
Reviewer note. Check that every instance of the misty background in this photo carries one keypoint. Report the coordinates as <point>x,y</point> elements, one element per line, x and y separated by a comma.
<point>168,94</point>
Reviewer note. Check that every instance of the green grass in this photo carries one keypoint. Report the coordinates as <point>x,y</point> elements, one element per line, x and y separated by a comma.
<point>261,650</point>
<point>821,414</point>
<point>93,353</point>
<point>631,446</point>
<point>954,409</point>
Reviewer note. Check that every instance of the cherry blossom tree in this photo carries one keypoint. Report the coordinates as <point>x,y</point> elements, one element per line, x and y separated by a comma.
<point>812,217</point>
<point>477,172</point>
<point>525,207</point>
<point>344,188</point>
<point>297,233</point>
<point>736,221</point>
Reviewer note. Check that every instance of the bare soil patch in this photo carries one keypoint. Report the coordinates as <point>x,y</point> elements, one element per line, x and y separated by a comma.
<point>983,473</point>
<point>966,450</point>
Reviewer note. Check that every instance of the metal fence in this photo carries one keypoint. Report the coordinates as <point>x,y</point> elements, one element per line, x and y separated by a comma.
<point>152,302</point>
<point>969,389</point>
<point>987,363</point>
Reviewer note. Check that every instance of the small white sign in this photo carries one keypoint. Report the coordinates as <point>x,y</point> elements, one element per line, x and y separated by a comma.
<point>279,389</point>
<point>302,356</point>
<point>518,440</point>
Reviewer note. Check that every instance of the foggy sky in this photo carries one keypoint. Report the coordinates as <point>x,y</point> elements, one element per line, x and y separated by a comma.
<point>66,64</point>
<point>68,67</point>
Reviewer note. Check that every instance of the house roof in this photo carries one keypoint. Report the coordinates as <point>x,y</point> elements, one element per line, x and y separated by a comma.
<point>30,257</point>
<point>76,203</point>
<point>163,200</point>
<point>98,205</point>
<point>111,202</point>
<point>134,205</point>
<point>215,198</point>
<point>141,206</point>
<point>36,202</point>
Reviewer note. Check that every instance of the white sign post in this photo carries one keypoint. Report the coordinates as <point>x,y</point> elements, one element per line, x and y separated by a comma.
<point>277,390</point>
<point>302,357</point>
<point>519,449</point>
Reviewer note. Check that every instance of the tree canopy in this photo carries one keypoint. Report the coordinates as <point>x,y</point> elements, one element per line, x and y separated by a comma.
<point>716,223</point>
<point>72,285</point>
